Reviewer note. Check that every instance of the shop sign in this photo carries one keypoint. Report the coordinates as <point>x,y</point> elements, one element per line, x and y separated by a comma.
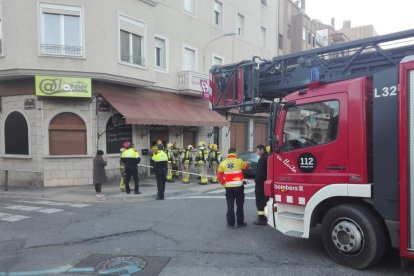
<point>49,86</point>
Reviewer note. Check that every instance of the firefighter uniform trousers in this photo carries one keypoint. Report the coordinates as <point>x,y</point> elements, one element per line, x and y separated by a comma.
<point>186,170</point>
<point>169,177</point>
<point>202,165</point>
<point>122,180</point>
<point>214,167</point>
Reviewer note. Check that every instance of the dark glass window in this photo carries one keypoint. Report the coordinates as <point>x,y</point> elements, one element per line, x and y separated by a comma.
<point>117,132</point>
<point>16,134</point>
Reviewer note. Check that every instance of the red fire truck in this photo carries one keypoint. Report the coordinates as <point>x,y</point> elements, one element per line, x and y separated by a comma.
<point>342,139</point>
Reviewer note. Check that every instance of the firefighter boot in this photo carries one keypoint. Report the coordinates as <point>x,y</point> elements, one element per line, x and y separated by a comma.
<point>262,220</point>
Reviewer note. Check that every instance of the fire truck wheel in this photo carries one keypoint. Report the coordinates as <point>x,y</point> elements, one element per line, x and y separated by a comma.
<point>353,236</point>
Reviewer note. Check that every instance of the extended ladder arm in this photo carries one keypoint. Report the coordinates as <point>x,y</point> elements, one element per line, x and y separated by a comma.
<point>248,83</point>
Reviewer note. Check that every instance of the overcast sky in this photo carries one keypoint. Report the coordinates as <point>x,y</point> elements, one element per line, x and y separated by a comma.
<point>387,16</point>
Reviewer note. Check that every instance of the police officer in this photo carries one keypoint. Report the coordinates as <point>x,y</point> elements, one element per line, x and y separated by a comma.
<point>131,160</point>
<point>231,176</point>
<point>260,178</point>
<point>160,159</point>
<point>214,158</point>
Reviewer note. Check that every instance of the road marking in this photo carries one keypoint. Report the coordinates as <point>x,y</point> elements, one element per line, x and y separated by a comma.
<point>32,208</point>
<point>249,190</point>
<point>53,203</point>
<point>11,217</point>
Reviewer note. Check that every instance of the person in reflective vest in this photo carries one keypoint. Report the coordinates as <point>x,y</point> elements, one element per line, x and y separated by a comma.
<point>214,159</point>
<point>186,160</point>
<point>160,159</point>
<point>201,162</point>
<point>261,174</point>
<point>122,170</point>
<point>230,174</point>
<point>131,159</point>
<point>170,157</point>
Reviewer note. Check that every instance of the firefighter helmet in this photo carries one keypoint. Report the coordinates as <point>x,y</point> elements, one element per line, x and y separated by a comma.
<point>202,144</point>
<point>158,142</point>
<point>213,146</point>
<point>189,147</point>
<point>169,145</point>
<point>175,146</point>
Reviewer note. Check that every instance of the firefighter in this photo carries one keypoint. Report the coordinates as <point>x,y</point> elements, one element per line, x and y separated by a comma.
<point>201,162</point>
<point>122,170</point>
<point>186,160</point>
<point>214,158</point>
<point>170,157</point>
<point>160,159</point>
<point>259,179</point>
<point>176,160</point>
<point>231,176</point>
<point>130,157</point>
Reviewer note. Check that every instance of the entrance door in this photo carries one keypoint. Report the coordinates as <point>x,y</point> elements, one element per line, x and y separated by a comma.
<point>238,135</point>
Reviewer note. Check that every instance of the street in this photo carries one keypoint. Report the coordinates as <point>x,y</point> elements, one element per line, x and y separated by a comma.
<point>185,234</point>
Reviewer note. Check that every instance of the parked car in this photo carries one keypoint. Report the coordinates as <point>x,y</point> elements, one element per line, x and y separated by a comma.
<point>252,158</point>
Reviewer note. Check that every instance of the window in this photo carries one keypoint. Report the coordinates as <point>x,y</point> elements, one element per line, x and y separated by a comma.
<point>289,32</point>
<point>240,25</point>
<point>189,6</point>
<point>217,60</point>
<point>67,135</point>
<point>189,63</point>
<point>263,37</point>
<point>309,38</point>
<point>304,34</point>
<point>310,125</point>
<point>16,134</point>
<point>218,14</point>
<point>280,41</point>
<point>117,132</point>
<point>131,38</point>
<point>61,30</point>
<point>160,53</point>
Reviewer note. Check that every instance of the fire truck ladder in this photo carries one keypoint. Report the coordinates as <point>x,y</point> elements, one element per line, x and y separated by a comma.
<point>285,74</point>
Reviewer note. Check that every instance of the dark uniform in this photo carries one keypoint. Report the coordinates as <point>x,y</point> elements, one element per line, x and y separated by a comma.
<point>131,159</point>
<point>261,199</point>
<point>160,159</point>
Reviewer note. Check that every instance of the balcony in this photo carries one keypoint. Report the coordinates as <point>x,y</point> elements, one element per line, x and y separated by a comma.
<point>189,83</point>
<point>61,50</point>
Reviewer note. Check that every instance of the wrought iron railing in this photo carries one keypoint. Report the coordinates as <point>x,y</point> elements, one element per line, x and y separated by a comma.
<point>61,50</point>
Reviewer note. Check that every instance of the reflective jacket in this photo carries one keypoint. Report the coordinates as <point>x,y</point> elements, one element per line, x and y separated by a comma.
<point>130,158</point>
<point>160,162</point>
<point>214,156</point>
<point>230,172</point>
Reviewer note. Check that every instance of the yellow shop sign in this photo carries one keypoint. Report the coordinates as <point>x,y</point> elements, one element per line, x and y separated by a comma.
<point>63,87</point>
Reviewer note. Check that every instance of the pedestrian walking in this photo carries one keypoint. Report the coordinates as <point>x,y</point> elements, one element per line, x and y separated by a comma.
<point>261,174</point>
<point>230,174</point>
<point>131,159</point>
<point>160,159</point>
<point>99,174</point>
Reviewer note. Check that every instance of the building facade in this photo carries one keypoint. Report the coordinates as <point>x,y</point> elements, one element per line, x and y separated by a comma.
<point>82,75</point>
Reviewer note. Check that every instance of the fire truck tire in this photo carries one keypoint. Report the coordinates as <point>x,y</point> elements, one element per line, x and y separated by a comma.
<point>353,236</point>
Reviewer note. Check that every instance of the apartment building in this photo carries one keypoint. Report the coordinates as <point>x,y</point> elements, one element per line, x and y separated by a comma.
<point>82,75</point>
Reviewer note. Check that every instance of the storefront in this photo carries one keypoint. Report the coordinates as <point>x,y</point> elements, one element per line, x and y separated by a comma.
<point>52,127</point>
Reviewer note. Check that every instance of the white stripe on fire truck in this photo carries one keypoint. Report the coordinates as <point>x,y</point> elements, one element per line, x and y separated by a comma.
<point>302,200</point>
<point>289,199</point>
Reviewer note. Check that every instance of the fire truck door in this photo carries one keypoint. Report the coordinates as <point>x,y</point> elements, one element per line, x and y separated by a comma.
<point>314,149</point>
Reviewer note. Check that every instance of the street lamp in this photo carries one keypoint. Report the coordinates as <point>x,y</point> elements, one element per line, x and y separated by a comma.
<point>208,43</point>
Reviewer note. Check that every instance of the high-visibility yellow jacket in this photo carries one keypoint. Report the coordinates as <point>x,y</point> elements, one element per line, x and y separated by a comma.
<point>130,157</point>
<point>230,171</point>
<point>160,162</point>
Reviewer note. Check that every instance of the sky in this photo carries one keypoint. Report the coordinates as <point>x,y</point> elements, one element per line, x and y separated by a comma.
<point>387,16</point>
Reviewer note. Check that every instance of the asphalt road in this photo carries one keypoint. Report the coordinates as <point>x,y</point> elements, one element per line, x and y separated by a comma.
<point>187,232</point>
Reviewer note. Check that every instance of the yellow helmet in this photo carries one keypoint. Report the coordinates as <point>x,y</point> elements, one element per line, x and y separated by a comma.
<point>169,145</point>
<point>189,147</point>
<point>158,142</point>
<point>213,146</point>
<point>200,144</point>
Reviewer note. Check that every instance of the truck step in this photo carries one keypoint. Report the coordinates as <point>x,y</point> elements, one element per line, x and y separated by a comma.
<point>293,233</point>
<point>291,215</point>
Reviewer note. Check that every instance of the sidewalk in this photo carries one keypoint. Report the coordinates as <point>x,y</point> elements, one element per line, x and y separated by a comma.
<point>86,193</point>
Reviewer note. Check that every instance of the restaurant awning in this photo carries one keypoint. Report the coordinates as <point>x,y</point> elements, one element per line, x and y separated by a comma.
<point>156,108</point>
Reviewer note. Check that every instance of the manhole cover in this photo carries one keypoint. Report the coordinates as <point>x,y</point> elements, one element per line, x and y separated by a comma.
<point>121,265</point>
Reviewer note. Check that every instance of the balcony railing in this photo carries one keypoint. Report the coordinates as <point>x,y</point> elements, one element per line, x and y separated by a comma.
<point>61,50</point>
<point>189,82</point>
